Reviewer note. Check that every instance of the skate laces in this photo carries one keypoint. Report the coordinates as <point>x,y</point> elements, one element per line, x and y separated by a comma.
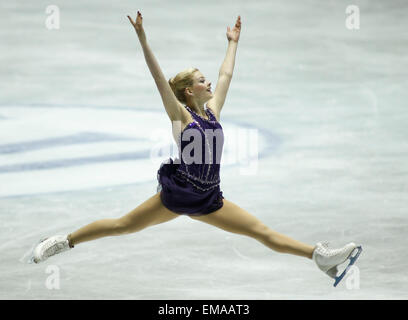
<point>53,247</point>
<point>325,244</point>
<point>324,250</point>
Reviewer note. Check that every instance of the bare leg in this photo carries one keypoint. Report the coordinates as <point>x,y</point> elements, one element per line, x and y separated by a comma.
<point>237,220</point>
<point>149,213</point>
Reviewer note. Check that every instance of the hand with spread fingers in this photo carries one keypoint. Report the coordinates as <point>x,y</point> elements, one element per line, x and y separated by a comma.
<point>138,25</point>
<point>235,32</point>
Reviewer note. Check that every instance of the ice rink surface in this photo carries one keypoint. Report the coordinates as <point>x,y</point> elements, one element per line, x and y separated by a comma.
<point>80,117</point>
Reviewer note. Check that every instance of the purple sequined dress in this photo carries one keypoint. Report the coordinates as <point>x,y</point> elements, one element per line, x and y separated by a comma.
<point>193,187</point>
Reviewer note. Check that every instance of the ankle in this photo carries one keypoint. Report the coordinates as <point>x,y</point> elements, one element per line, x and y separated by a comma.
<point>70,243</point>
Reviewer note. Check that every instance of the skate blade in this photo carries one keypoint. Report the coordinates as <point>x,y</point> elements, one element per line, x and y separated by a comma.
<point>352,260</point>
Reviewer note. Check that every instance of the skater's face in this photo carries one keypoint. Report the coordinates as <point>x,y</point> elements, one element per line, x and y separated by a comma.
<point>201,88</point>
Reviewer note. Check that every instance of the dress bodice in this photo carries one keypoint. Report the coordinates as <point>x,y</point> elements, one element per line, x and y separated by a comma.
<point>200,146</point>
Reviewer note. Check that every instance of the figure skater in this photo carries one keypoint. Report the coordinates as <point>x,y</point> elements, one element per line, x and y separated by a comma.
<point>193,189</point>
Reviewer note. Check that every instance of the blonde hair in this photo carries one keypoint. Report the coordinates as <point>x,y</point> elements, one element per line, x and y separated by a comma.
<point>181,81</point>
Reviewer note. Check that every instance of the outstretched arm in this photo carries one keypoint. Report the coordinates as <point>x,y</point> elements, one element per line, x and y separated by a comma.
<point>226,70</point>
<point>171,104</point>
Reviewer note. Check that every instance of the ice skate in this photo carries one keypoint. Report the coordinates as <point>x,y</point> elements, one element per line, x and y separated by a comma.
<point>328,260</point>
<point>49,247</point>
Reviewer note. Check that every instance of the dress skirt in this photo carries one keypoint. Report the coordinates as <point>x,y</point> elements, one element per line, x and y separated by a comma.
<point>181,196</point>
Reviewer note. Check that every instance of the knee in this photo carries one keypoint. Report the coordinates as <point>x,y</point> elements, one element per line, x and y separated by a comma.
<point>121,226</point>
<point>125,226</point>
<point>259,231</point>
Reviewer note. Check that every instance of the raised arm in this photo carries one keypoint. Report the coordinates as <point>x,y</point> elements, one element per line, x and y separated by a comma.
<point>170,102</point>
<point>226,70</point>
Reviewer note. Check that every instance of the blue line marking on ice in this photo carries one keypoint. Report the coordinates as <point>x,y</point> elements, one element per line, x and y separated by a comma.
<point>80,138</point>
<point>273,142</point>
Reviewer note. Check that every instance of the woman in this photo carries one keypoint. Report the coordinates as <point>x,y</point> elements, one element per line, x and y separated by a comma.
<point>189,187</point>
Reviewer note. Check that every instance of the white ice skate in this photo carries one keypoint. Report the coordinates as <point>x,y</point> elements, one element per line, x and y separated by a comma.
<point>49,247</point>
<point>328,260</point>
